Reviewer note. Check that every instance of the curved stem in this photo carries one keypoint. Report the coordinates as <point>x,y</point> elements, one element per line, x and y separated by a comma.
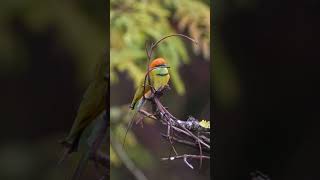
<point>181,35</point>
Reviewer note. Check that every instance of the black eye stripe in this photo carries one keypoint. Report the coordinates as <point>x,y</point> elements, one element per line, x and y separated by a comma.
<point>162,74</point>
<point>161,65</point>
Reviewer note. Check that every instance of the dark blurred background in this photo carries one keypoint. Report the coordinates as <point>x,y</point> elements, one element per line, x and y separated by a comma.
<point>48,50</point>
<point>266,89</point>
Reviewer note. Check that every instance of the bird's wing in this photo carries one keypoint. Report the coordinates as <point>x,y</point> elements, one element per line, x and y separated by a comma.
<point>92,104</point>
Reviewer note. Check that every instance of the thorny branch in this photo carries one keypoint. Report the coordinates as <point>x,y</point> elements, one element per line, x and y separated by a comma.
<point>191,133</point>
<point>194,135</point>
<point>179,140</point>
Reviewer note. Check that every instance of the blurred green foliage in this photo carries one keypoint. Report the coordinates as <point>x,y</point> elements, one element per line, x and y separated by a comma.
<point>81,34</point>
<point>120,116</point>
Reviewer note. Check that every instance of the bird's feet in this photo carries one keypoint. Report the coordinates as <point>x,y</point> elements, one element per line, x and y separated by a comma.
<point>161,90</point>
<point>167,87</point>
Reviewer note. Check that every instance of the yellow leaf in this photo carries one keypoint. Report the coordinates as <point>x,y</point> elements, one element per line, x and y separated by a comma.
<point>205,124</point>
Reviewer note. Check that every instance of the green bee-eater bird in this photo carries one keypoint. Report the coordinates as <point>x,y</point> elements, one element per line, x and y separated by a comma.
<point>159,77</point>
<point>91,106</point>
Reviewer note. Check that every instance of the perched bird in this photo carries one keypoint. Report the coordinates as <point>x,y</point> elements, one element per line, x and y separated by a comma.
<point>159,77</point>
<point>91,106</point>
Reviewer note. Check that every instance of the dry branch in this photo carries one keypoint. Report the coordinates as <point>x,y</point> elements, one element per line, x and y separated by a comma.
<point>192,134</point>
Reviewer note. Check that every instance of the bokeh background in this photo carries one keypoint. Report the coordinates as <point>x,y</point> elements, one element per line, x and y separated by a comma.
<point>48,51</point>
<point>132,23</point>
<point>266,89</point>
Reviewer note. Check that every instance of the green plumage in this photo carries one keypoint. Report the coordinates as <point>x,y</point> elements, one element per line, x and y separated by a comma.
<point>159,77</point>
<point>91,106</point>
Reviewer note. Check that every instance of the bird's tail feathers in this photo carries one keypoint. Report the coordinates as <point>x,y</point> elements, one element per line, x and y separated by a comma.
<point>141,102</point>
<point>66,151</point>
<point>64,156</point>
<point>132,106</point>
<point>136,109</point>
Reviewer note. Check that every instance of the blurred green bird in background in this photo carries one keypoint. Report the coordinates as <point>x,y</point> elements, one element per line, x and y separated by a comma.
<point>91,106</point>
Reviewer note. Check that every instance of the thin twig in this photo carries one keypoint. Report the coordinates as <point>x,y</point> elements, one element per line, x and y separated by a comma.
<point>205,138</point>
<point>156,44</point>
<point>147,114</point>
<point>185,158</point>
<point>187,155</point>
<point>186,142</point>
<point>170,139</point>
<point>195,137</point>
<point>186,161</point>
<point>200,149</point>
